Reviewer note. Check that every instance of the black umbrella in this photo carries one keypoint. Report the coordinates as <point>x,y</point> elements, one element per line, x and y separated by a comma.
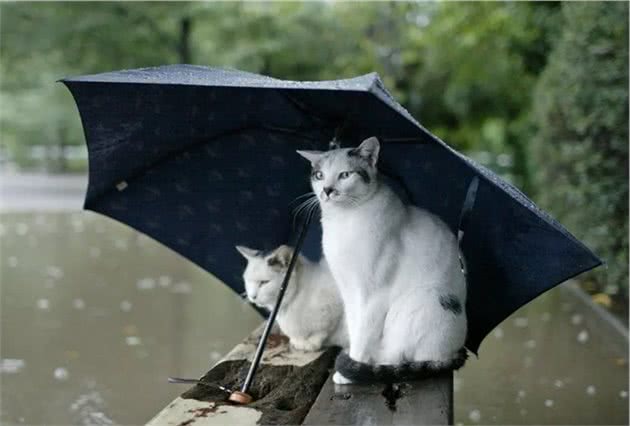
<point>203,159</point>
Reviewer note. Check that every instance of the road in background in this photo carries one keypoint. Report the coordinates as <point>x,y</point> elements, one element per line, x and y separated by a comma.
<point>30,191</point>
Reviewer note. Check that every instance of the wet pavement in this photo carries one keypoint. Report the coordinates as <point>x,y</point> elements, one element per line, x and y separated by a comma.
<point>95,316</point>
<point>546,364</point>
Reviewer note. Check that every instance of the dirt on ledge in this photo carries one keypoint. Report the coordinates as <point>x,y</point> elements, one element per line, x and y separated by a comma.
<point>283,393</point>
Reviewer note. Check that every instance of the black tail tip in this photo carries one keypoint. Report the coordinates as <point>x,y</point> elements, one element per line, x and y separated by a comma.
<point>362,372</point>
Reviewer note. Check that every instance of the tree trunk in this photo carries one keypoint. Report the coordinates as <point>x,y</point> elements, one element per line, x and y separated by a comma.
<point>185,25</point>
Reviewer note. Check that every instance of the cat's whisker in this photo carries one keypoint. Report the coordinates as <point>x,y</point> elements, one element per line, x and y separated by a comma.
<point>304,206</point>
<point>313,208</point>
<point>298,210</point>
<point>307,209</point>
<point>308,194</point>
<point>304,203</point>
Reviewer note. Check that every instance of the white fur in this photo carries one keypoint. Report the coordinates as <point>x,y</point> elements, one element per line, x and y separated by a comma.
<point>311,314</point>
<point>391,262</point>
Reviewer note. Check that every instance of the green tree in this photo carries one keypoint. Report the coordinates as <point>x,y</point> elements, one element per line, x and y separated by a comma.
<point>452,64</point>
<point>582,144</point>
<point>472,69</point>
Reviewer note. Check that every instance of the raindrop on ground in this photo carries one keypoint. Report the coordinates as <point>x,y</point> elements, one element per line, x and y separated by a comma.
<point>21,229</point>
<point>582,336</point>
<point>54,272</point>
<point>61,374</point>
<point>132,340</point>
<point>474,416</point>
<point>43,304</point>
<point>11,366</point>
<point>126,306</point>
<point>520,322</point>
<point>576,319</point>
<point>182,288</point>
<point>145,284</point>
<point>164,281</point>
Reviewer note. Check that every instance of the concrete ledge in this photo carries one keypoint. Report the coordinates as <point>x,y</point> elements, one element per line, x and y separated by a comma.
<point>284,388</point>
<point>425,402</point>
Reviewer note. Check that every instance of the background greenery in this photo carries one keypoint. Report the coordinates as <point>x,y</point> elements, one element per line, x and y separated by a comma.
<point>536,91</point>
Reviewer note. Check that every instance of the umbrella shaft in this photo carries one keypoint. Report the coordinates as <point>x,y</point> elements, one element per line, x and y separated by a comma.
<point>272,317</point>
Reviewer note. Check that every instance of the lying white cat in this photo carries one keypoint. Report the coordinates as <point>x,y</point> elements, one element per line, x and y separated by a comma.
<point>397,268</point>
<point>311,314</point>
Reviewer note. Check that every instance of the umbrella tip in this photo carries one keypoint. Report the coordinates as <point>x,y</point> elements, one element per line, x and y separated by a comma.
<point>241,398</point>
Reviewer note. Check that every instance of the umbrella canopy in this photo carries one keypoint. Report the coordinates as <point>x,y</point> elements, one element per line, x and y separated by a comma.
<point>202,159</point>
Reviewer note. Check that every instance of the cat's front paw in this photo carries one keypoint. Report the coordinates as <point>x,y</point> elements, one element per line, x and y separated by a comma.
<point>306,345</point>
<point>301,345</point>
<point>339,379</point>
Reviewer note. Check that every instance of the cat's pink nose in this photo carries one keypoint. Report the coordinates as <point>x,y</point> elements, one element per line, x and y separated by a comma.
<point>328,190</point>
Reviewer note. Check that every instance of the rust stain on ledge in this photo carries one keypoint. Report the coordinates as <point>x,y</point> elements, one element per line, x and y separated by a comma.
<point>276,340</point>
<point>204,411</point>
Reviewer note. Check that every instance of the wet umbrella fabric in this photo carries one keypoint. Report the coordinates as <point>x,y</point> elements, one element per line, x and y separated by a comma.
<point>202,159</point>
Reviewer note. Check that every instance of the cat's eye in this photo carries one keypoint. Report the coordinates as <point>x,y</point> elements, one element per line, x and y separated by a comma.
<point>263,282</point>
<point>317,175</point>
<point>344,175</point>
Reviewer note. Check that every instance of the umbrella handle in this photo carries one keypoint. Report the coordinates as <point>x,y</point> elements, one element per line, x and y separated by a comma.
<point>242,397</point>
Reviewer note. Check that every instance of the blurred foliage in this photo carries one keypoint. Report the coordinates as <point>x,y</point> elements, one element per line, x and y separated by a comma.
<point>465,69</point>
<point>468,71</point>
<point>582,140</point>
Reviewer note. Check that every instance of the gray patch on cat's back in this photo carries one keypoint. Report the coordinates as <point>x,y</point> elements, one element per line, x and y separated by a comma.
<point>450,302</point>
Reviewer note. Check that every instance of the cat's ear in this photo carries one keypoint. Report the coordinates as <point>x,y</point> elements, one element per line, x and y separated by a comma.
<point>281,257</point>
<point>247,252</point>
<point>368,150</point>
<point>312,156</point>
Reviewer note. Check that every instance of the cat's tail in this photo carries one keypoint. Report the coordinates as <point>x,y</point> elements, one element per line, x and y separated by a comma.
<point>360,372</point>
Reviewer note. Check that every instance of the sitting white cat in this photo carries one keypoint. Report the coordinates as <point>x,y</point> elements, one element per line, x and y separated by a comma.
<point>398,271</point>
<point>311,314</point>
